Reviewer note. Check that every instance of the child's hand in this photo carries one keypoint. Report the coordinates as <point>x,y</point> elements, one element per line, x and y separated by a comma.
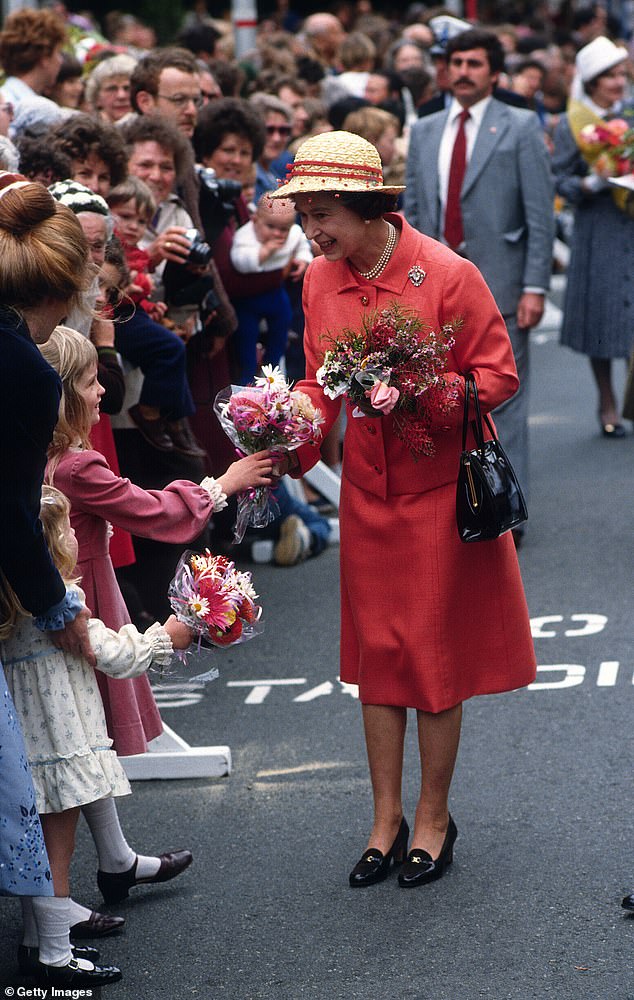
<point>157,310</point>
<point>180,634</point>
<point>254,470</point>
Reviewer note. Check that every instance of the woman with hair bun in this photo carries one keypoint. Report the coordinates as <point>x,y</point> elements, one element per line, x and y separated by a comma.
<point>43,269</point>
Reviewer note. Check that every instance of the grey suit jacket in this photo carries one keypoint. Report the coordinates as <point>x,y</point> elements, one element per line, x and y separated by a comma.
<point>507,198</point>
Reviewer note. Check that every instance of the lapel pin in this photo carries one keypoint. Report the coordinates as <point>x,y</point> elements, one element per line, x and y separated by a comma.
<point>416,275</point>
<point>493,130</point>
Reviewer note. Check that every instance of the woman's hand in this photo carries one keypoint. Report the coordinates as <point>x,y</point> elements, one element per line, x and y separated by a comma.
<point>284,464</point>
<point>253,470</point>
<point>171,244</point>
<point>74,639</point>
<point>180,634</point>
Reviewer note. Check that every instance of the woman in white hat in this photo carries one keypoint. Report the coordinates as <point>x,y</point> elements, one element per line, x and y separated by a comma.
<point>599,304</point>
<point>417,623</point>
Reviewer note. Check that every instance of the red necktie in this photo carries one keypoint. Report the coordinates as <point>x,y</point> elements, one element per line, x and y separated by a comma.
<point>454,233</point>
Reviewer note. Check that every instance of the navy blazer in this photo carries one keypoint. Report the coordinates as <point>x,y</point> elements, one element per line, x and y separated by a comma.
<point>30,393</point>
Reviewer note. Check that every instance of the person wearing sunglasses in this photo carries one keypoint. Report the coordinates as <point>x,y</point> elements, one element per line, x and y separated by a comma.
<point>166,82</point>
<point>275,157</point>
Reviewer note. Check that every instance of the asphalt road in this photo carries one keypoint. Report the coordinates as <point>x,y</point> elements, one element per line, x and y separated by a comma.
<point>542,795</point>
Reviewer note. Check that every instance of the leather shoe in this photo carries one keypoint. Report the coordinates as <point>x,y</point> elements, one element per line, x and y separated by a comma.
<point>115,886</point>
<point>421,868</point>
<point>97,925</point>
<point>152,430</point>
<point>183,439</point>
<point>74,975</point>
<point>613,431</point>
<point>29,957</point>
<point>374,866</point>
<point>628,902</point>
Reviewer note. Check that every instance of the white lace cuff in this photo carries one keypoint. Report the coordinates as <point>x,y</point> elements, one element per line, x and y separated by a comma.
<point>160,644</point>
<point>214,489</point>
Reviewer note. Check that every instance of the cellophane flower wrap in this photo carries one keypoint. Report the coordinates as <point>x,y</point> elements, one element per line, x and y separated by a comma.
<point>394,363</point>
<point>215,599</point>
<point>269,414</point>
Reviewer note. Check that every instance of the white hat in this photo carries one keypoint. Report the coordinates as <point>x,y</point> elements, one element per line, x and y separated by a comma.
<point>598,57</point>
<point>445,27</point>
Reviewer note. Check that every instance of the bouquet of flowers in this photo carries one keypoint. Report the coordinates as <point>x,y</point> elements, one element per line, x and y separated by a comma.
<point>393,364</point>
<point>270,415</point>
<point>610,146</point>
<point>210,595</point>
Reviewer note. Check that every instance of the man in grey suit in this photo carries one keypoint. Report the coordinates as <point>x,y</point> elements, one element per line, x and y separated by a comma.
<point>495,207</point>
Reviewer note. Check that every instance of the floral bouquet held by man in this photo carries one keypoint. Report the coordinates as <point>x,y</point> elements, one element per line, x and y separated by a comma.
<point>393,364</point>
<point>267,415</point>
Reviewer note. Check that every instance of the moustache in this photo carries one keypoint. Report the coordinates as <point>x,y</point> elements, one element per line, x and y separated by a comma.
<point>463,80</point>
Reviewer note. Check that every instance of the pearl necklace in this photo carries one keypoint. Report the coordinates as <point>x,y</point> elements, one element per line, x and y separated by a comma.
<point>383,260</point>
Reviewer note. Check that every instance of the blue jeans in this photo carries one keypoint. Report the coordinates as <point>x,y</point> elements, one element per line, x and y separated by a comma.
<point>275,308</point>
<point>317,525</point>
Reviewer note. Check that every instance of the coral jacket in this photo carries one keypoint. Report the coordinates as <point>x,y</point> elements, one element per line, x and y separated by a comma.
<point>336,297</point>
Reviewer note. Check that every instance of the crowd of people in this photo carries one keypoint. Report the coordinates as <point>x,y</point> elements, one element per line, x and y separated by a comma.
<point>151,256</point>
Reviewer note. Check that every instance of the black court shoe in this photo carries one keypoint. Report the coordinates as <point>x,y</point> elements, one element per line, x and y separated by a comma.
<point>421,868</point>
<point>374,866</point>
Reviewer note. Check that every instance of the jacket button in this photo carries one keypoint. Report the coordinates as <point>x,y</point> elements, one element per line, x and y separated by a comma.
<point>371,429</point>
<point>364,300</point>
<point>378,470</point>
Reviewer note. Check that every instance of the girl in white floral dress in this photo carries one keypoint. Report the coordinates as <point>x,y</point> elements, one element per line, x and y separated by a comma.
<point>61,714</point>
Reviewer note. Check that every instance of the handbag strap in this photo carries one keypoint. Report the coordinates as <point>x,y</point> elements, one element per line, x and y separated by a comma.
<point>478,431</point>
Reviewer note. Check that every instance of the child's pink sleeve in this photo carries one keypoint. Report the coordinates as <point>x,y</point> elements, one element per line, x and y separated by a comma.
<point>177,513</point>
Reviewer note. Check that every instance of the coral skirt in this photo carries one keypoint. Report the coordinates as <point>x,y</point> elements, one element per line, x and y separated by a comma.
<point>427,620</point>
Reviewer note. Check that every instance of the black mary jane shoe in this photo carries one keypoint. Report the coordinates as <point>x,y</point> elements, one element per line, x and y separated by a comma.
<point>421,868</point>
<point>628,902</point>
<point>115,886</point>
<point>374,866</point>
<point>74,975</point>
<point>29,957</point>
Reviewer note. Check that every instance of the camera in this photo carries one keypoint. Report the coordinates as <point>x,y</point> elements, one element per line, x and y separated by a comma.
<point>199,252</point>
<point>217,201</point>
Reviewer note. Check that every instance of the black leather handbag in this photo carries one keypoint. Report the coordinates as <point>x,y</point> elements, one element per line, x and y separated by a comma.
<point>489,499</point>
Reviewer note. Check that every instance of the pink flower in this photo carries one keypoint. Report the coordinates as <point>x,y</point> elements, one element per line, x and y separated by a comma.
<point>383,397</point>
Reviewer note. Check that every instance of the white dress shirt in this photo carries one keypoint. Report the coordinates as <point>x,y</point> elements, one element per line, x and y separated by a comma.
<point>472,127</point>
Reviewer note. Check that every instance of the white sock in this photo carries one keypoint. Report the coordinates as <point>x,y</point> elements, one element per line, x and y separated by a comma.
<point>29,926</point>
<point>113,850</point>
<point>51,917</point>
<point>77,913</point>
<point>146,867</point>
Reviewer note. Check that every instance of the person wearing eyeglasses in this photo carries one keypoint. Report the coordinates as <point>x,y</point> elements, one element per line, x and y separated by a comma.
<point>167,82</point>
<point>275,157</point>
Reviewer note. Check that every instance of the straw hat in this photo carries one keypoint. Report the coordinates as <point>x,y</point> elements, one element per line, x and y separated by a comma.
<point>335,161</point>
<point>598,57</point>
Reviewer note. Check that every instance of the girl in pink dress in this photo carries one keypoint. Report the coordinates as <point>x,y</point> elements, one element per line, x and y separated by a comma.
<point>177,513</point>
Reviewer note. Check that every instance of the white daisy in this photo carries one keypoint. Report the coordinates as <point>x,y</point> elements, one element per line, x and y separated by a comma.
<point>271,378</point>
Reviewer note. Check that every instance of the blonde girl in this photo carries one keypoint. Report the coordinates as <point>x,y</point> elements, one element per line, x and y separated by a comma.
<point>178,513</point>
<point>67,745</point>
